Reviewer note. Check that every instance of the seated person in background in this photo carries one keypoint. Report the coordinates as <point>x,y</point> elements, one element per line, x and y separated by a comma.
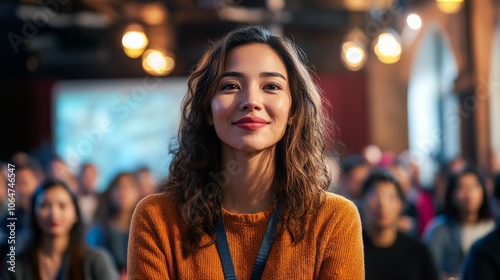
<point>87,196</point>
<point>466,218</point>
<point>354,171</point>
<point>59,170</point>
<point>419,206</point>
<point>145,181</point>
<point>390,254</point>
<point>56,249</point>
<point>483,260</point>
<point>408,219</point>
<point>112,223</point>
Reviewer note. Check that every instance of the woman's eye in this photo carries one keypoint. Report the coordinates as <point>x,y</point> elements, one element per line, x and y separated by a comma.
<point>272,86</point>
<point>229,86</point>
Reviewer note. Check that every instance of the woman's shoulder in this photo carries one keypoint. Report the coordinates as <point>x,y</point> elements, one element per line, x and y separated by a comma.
<point>339,204</point>
<point>336,208</point>
<point>156,210</point>
<point>157,202</point>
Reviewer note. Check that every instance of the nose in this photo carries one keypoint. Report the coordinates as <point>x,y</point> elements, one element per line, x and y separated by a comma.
<point>251,99</point>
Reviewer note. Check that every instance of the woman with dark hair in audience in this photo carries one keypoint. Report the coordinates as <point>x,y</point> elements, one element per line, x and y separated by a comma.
<point>113,217</point>
<point>483,260</point>
<point>57,249</point>
<point>466,218</point>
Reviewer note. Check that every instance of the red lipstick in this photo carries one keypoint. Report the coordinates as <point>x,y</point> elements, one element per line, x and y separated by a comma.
<point>250,123</point>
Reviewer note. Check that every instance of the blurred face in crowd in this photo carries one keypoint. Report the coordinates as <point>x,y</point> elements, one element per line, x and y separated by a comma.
<point>88,178</point>
<point>353,181</point>
<point>494,162</point>
<point>26,183</point>
<point>146,182</point>
<point>126,194</point>
<point>250,109</point>
<point>468,196</point>
<point>382,206</point>
<point>55,211</point>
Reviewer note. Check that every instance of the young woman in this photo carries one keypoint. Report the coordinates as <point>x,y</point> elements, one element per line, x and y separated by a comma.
<point>111,230</point>
<point>246,197</point>
<point>466,218</point>
<point>57,249</point>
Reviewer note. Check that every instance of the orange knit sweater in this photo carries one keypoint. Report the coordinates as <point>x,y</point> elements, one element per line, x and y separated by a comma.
<point>332,247</point>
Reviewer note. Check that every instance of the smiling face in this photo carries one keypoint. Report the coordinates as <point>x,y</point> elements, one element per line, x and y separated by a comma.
<point>55,211</point>
<point>251,107</point>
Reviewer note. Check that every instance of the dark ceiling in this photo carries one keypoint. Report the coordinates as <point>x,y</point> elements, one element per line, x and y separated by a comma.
<point>82,38</point>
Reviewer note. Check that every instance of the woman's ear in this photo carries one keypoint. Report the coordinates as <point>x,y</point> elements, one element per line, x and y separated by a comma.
<point>290,120</point>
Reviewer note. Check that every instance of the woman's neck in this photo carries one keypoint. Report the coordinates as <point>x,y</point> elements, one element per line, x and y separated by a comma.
<point>54,246</point>
<point>246,180</point>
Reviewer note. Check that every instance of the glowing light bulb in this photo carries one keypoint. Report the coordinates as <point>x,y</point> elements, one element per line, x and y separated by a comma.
<point>158,63</point>
<point>134,41</point>
<point>414,21</point>
<point>449,6</point>
<point>388,49</point>
<point>353,56</point>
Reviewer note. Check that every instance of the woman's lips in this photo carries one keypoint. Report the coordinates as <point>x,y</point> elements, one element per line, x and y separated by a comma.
<point>250,123</point>
<point>53,224</point>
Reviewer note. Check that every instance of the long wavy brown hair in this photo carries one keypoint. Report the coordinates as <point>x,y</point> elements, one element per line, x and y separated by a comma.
<point>301,176</point>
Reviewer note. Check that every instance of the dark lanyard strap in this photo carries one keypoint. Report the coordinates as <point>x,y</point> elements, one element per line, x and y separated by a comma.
<point>265,247</point>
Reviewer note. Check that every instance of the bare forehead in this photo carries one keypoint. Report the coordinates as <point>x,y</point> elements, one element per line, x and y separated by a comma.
<point>254,57</point>
<point>384,187</point>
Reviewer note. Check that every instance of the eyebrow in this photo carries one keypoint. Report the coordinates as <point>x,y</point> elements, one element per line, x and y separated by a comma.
<point>262,75</point>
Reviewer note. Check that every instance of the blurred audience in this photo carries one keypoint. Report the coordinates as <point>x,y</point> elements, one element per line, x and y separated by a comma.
<point>113,217</point>
<point>388,158</point>
<point>483,260</point>
<point>87,195</point>
<point>409,218</point>
<point>395,209</point>
<point>24,159</point>
<point>25,184</point>
<point>56,249</point>
<point>355,169</point>
<point>58,169</point>
<point>390,254</point>
<point>419,209</point>
<point>494,162</point>
<point>145,181</point>
<point>466,218</point>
